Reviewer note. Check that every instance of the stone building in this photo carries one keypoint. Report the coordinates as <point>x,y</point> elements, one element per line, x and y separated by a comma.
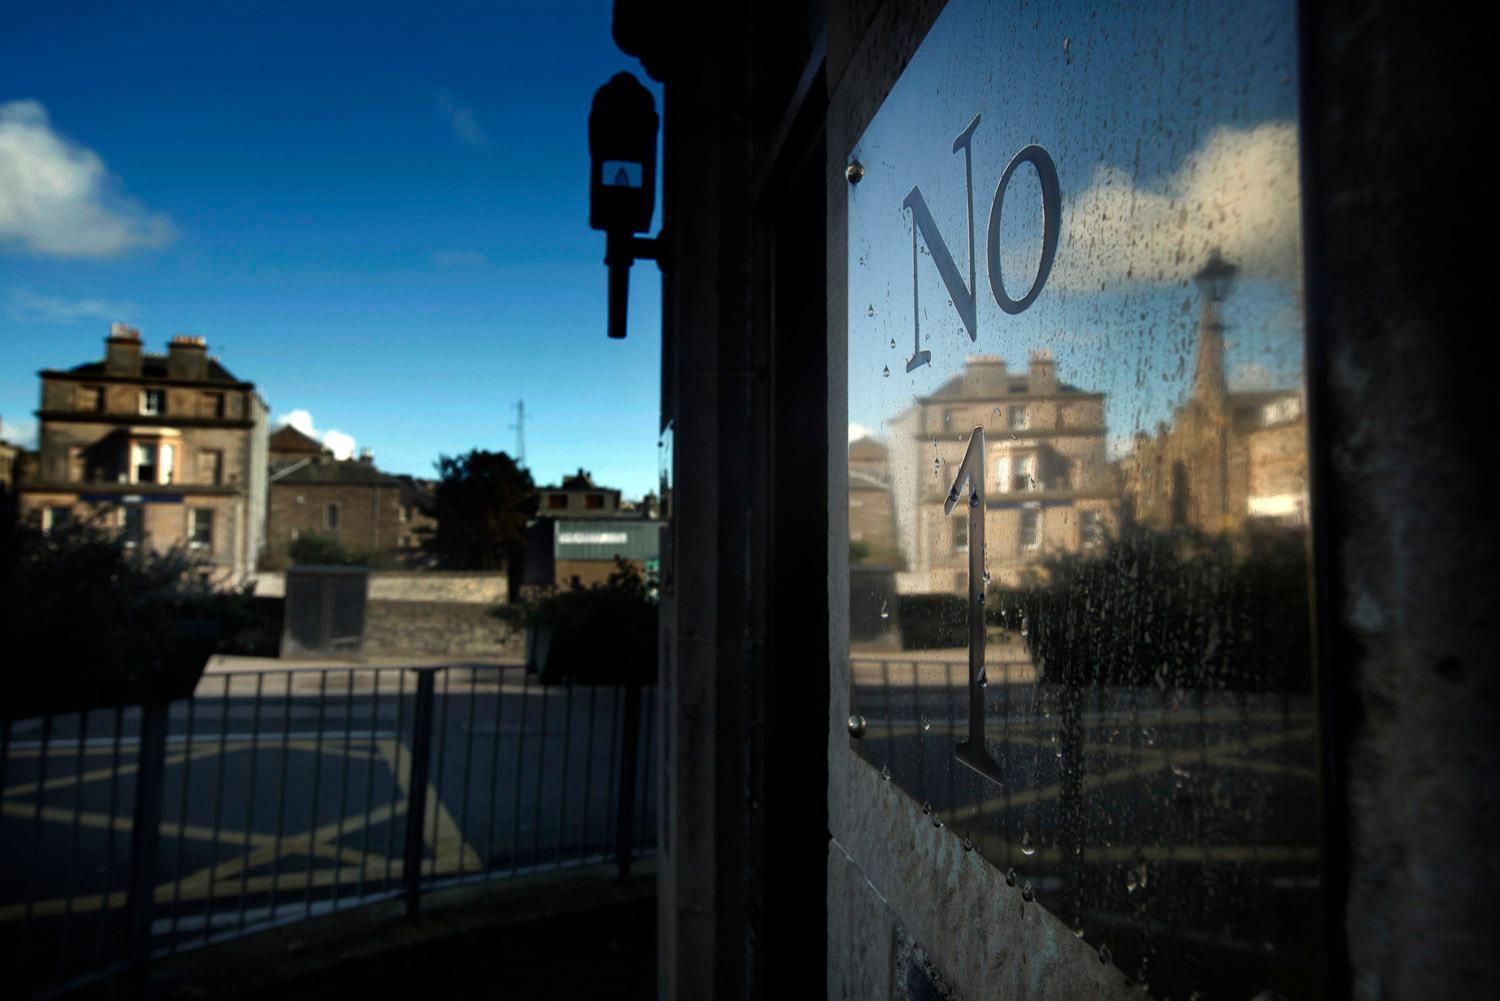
<point>578,497</point>
<point>1226,457</point>
<point>1048,485</point>
<point>170,448</point>
<point>348,501</point>
<point>872,521</point>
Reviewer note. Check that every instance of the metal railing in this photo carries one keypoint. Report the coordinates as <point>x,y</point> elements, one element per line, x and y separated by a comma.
<point>273,796</point>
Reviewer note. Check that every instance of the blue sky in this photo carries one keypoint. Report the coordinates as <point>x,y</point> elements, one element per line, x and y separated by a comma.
<point>377,213</point>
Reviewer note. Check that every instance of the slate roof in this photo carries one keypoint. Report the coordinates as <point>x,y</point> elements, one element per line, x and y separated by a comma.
<point>987,382</point>
<point>155,367</point>
<point>349,472</point>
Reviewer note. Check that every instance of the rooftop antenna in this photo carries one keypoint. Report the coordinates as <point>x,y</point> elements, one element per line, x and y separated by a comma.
<point>520,429</point>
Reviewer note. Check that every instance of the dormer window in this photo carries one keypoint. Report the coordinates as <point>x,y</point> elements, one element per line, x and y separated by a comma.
<point>153,402</point>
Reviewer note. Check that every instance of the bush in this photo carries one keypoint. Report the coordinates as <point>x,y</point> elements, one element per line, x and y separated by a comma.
<point>599,635</point>
<point>1173,610</point>
<point>94,621</point>
<point>932,621</point>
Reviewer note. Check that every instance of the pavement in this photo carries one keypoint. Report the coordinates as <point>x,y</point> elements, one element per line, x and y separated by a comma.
<point>573,935</point>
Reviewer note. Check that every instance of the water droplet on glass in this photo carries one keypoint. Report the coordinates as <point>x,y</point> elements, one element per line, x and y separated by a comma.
<point>974,499</point>
<point>1103,953</point>
<point>871,310</point>
<point>1027,848</point>
<point>1027,893</point>
<point>935,821</point>
<point>1068,51</point>
<point>1130,883</point>
<point>1010,877</point>
<point>885,772</point>
<point>987,584</point>
<point>926,809</point>
<point>887,372</point>
<point>952,494</point>
<point>983,679</point>
<point>885,609</point>
<point>968,843</point>
<point>893,342</point>
<point>856,726</point>
<point>1078,932</point>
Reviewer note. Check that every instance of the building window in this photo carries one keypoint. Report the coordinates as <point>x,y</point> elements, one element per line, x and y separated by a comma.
<point>213,404</point>
<point>168,456</point>
<point>1018,418</point>
<point>56,518</point>
<point>1024,470</point>
<point>594,502</point>
<point>331,517</point>
<point>211,466</point>
<point>961,534</point>
<point>77,464</point>
<point>91,399</point>
<point>153,402</point>
<point>142,463</point>
<point>201,528</point>
<point>133,526</point>
<point>1091,529</point>
<point>1031,527</point>
<point>557,502</point>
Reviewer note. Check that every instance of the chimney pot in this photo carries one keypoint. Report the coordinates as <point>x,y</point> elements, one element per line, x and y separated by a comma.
<point>122,350</point>
<point>187,358</point>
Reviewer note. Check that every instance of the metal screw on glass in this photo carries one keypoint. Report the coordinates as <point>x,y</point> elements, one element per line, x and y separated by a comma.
<point>855,172</point>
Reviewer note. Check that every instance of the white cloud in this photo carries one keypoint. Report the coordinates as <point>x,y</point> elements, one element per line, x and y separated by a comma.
<point>21,433</point>
<point>57,198</point>
<point>462,119</point>
<point>28,306</point>
<point>1238,192</point>
<point>341,444</point>
<point>1252,376</point>
<point>858,431</point>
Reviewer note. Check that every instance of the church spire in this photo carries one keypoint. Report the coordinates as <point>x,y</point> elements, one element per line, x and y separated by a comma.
<point>1213,280</point>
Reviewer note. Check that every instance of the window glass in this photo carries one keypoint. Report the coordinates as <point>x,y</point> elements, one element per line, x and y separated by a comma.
<point>133,525</point>
<point>1126,722</point>
<point>153,402</point>
<point>201,530</point>
<point>143,463</point>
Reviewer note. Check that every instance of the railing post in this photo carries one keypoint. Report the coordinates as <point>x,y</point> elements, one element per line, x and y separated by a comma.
<point>145,833</point>
<point>630,759</point>
<point>416,792</point>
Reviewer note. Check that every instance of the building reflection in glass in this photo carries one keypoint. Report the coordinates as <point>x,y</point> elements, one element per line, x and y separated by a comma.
<point>1148,675</point>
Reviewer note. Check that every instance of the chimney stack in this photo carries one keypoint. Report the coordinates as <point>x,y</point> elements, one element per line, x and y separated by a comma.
<point>122,351</point>
<point>187,358</point>
<point>1042,372</point>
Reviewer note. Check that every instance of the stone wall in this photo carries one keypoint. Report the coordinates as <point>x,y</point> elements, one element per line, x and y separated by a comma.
<point>439,629</point>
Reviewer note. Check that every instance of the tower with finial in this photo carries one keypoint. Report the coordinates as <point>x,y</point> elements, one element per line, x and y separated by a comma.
<point>1214,281</point>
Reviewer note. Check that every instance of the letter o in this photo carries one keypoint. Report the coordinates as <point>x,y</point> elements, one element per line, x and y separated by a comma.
<point>1046,172</point>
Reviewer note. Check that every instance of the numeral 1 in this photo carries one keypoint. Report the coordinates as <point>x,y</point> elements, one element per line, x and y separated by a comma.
<point>973,751</point>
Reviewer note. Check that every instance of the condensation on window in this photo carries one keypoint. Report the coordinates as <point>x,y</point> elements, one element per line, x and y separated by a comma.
<point>1146,752</point>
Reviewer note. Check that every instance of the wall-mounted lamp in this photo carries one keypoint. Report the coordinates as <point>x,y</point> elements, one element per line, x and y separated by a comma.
<point>622,185</point>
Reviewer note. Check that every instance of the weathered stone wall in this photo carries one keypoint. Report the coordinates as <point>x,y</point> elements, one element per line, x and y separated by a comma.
<point>488,589</point>
<point>1402,467</point>
<point>439,629</point>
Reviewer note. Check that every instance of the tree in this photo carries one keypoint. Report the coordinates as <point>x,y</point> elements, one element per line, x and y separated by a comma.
<point>481,503</point>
